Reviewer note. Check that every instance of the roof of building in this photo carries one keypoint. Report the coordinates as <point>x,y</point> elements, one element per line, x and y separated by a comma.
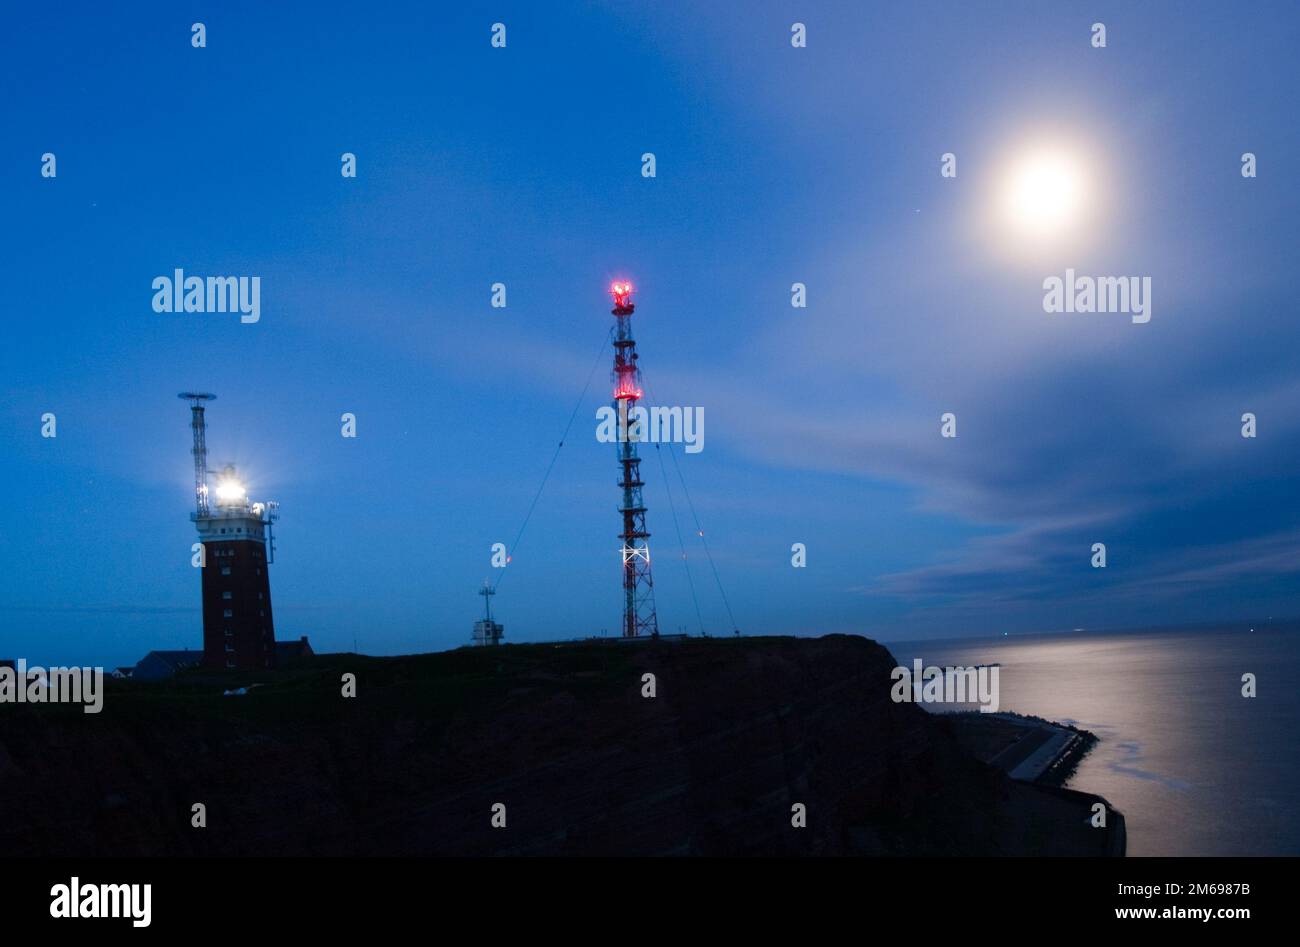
<point>176,660</point>
<point>288,650</point>
<point>159,665</point>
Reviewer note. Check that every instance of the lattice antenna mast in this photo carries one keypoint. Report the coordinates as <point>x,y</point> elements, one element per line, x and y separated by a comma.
<point>638,587</point>
<point>200,449</point>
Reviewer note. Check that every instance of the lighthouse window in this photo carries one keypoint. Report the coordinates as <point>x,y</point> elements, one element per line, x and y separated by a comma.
<point>227,594</point>
<point>229,613</point>
<point>225,570</point>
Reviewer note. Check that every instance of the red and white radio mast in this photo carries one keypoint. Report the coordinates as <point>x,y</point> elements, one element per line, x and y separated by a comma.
<point>638,587</point>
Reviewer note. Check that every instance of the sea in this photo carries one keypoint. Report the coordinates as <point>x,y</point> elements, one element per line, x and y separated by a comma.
<point>1195,767</point>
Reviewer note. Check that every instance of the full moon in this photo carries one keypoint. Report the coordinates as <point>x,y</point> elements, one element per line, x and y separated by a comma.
<point>1043,193</point>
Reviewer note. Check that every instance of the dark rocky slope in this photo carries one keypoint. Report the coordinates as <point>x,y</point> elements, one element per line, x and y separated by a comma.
<point>739,731</point>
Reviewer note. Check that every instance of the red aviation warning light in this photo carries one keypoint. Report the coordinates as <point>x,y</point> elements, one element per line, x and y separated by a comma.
<point>622,293</point>
<point>627,385</point>
<point>627,389</point>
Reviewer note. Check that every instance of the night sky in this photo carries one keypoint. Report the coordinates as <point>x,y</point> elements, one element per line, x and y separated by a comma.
<point>522,165</point>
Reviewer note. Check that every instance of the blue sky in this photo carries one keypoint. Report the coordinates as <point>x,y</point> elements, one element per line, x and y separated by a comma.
<point>522,165</point>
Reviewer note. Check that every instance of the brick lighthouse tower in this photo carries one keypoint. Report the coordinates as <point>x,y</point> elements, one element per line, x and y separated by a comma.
<point>238,547</point>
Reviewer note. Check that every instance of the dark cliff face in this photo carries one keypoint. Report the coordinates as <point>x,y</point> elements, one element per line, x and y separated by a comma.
<point>739,731</point>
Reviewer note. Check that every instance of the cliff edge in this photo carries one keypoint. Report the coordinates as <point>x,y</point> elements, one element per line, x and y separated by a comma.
<point>737,733</point>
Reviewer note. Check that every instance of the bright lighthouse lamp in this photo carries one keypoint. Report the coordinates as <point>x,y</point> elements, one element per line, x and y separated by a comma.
<point>230,492</point>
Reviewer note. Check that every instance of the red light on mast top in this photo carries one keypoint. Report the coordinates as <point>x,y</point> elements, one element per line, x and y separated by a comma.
<point>622,293</point>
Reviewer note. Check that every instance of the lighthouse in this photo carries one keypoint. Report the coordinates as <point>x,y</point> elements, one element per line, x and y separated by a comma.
<point>237,548</point>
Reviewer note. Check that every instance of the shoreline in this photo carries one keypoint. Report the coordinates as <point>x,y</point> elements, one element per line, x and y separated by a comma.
<point>1037,752</point>
<point>1027,748</point>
